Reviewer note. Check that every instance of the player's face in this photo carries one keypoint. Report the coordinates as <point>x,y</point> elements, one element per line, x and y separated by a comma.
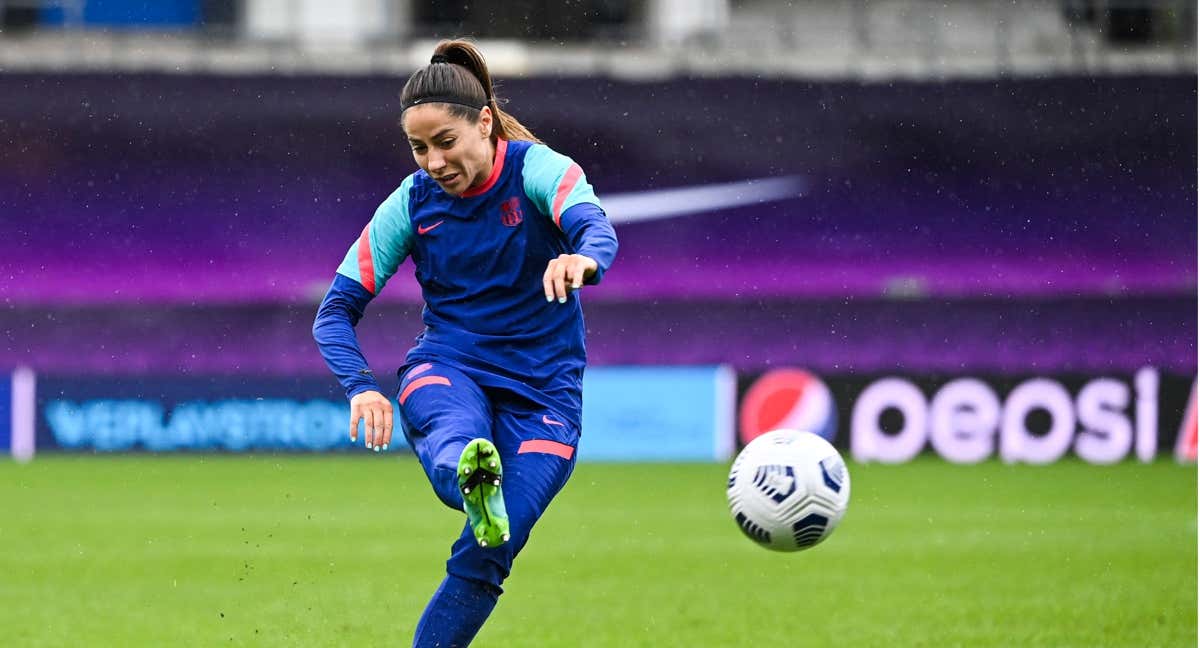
<point>452,150</point>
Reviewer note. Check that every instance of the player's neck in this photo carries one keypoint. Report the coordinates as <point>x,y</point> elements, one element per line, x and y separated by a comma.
<point>486,171</point>
<point>488,174</point>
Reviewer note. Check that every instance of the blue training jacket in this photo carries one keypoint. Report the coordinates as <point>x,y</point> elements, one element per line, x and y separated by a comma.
<point>479,260</point>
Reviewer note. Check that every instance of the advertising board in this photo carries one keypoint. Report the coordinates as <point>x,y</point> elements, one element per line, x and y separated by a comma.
<point>973,417</point>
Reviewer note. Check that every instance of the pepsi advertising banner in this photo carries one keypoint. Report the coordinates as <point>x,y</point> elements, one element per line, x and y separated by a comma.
<point>971,418</point>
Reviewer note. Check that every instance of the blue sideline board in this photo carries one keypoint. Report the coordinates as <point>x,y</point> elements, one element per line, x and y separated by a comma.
<point>5,413</point>
<point>630,414</point>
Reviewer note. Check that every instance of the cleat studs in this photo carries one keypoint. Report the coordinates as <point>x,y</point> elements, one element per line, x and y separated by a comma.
<point>482,542</point>
<point>495,482</point>
<point>466,490</point>
<point>466,470</point>
<point>504,537</point>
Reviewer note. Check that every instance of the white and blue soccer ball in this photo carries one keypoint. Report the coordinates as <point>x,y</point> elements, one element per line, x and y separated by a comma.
<point>788,490</point>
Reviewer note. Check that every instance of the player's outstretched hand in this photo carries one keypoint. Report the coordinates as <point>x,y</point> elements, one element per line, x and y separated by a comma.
<point>566,273</point>
<point>375,410</point>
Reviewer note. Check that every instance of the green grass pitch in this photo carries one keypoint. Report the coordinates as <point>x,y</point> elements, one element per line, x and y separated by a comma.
<point>296,550</point>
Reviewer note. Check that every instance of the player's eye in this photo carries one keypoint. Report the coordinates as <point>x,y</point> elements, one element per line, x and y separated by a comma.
<point>418,148</point>
<point>448,143</point>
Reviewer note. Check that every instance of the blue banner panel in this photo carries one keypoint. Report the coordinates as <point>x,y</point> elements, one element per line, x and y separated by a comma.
<point>657,414</point>
<point>5,413</point>
<point>193,413</point>
<point>630,414</point>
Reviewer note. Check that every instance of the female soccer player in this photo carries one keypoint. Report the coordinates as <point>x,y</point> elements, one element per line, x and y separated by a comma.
<point>503,231</point>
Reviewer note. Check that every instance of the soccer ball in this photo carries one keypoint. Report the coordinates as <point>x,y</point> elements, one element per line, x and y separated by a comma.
<point>788,490</point>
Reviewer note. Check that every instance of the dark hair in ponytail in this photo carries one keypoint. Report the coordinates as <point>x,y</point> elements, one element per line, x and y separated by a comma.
<point>458,78</point>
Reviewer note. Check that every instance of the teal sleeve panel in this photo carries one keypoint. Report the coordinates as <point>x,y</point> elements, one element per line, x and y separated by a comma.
<point>554,182</point>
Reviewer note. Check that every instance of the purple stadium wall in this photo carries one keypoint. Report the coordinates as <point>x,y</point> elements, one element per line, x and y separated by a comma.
<point>189,224</point>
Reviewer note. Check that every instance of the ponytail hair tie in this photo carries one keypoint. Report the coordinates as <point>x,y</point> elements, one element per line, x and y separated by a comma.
<point>439,58</point>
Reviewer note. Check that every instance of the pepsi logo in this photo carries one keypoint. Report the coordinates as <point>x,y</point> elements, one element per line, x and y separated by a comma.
<point>787,398</point>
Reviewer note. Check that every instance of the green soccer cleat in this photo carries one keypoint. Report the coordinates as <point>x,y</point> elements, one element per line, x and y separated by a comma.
<point>479,477</point>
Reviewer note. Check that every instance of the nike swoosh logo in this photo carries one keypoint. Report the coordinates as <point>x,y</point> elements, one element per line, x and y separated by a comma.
<point>657,204</point>
<point>421,229</point>
<point>549,421</point>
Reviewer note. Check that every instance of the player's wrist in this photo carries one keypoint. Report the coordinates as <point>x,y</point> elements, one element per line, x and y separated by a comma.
<point>362,389</point>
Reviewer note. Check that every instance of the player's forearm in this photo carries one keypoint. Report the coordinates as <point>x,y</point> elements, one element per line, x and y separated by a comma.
<point>592,235</point>
<point>333,331</point>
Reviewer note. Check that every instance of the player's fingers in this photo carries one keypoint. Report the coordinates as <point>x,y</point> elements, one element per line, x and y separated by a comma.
<point>548,280</point>
<point>582,265</point>
<point>369,424</point>
<point>387,426</point>
<point>355,416</point>
<point>571,274</point>
<point>560,287</point>
<point>560,282</point>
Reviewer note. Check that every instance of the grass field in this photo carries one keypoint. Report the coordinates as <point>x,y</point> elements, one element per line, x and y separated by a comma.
<point>344,551</point>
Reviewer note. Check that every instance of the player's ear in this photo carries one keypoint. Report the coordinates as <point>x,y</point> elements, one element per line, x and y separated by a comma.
<point>485,121</point>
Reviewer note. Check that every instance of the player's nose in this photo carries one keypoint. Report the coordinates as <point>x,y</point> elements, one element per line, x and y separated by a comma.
<point>435,161</point>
